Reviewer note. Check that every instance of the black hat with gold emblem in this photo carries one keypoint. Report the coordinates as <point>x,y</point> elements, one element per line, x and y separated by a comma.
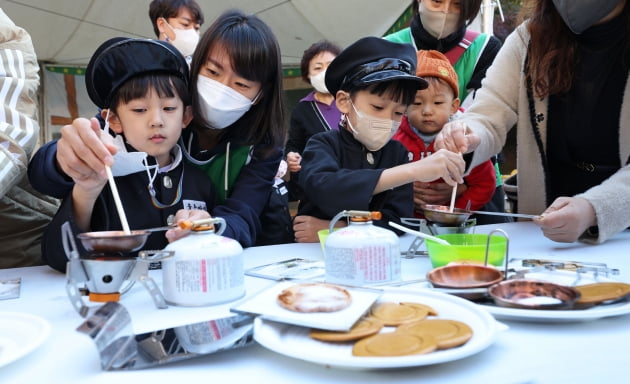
<point>372,60</point>
<point>119,59</point>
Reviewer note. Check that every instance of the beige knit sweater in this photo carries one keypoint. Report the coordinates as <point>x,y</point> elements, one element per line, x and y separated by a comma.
<point>501,103</point>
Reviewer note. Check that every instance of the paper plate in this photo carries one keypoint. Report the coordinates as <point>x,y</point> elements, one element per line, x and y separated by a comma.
<point>294,341</point>
<point>20,334</point>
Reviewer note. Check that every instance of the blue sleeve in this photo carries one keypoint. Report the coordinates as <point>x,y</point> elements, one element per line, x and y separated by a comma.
<point>250,193</point>
<point>395,203</point>
<point>44,175</point>
<point>331,186</point>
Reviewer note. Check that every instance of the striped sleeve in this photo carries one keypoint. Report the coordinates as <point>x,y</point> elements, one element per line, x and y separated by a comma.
<point>19,82</point>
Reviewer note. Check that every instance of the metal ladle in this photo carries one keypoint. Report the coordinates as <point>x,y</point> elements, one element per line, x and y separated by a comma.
<point>441,214</point>
<point>120,241</point>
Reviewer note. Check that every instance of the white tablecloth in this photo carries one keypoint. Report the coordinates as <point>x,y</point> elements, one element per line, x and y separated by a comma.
<point>576,352</point>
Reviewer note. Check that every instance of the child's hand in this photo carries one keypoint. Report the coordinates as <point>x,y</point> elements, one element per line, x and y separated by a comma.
<point>431,193</point>
<point>447,165</point>
<point>436,193</point>
<point>183,215</point>
<point>293,161</point>
<point>306,228</point>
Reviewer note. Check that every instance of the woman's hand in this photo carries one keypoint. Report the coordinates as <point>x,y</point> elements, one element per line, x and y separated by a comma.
<point>566,219</point>
<point>457,137</point>
<point>81,152</point>
<point>185,215</point>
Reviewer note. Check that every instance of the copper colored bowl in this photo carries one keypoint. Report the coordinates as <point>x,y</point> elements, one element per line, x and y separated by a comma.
<point>441,214</point>
<point>533,294</point>
<point>464,276</point>
<point>113,241</point>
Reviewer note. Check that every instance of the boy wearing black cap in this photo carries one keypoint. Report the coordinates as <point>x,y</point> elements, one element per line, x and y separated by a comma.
<point>358,167</point>
<point>432,108</point>
<point>141,85</point>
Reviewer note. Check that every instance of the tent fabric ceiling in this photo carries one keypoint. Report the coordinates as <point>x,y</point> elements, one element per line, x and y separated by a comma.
<point>68,31</point>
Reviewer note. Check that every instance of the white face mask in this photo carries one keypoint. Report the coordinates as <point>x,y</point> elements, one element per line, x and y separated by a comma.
<point>221,106</point>
<point>438,24</point>
<point>125,162</point>
<point>185,40</point>
<point>318,82</point>
<point>372,132</point>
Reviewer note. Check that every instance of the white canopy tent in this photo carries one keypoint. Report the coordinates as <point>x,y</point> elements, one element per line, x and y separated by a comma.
<point>65,33</point>
<point>68,31</point>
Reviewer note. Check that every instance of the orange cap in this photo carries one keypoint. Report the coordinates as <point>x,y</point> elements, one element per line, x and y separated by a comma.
<point>434,64</point>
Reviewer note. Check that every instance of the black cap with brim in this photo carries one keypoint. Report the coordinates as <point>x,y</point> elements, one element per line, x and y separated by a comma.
<point>372,60</point>
<point>119,59</point>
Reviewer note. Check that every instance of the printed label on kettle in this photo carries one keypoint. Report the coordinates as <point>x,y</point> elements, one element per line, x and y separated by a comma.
<point>207,275</point>
<point>362,265</point>
<point>205,281</point>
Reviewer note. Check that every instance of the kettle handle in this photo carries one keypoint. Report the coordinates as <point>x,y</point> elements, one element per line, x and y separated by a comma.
<point>205,224</point>
<point>222,225</point>
<point>370,215</point>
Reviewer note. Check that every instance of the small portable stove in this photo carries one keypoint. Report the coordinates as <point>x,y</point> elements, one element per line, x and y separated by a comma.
<point>108,271</point>
<point>435,228</point>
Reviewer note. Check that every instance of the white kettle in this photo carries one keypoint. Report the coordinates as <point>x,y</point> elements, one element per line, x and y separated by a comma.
<point>206,269</point>
<point>361,253</point>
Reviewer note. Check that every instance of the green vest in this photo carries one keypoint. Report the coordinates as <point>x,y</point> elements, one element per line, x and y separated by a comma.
<point>465,65</point>
<point>216,168</point>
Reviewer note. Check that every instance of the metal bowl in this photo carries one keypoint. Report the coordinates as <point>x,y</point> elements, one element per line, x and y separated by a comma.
<point>533,294</point>
<point>113,241</point>
<point>441,214</point>
<point>464,276</point>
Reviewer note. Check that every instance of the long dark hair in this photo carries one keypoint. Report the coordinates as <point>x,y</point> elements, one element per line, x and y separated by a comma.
<point>468,10</point>
<point>552,50</point>
<point>255,55</point>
